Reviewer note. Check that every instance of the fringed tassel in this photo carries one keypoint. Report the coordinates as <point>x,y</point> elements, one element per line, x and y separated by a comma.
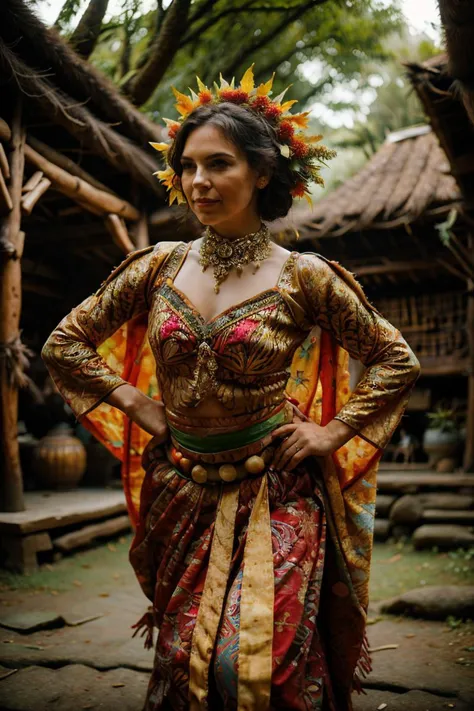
<point>145,626</point>
<point>363,668</point>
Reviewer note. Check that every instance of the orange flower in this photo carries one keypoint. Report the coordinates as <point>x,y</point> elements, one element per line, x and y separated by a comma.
<point>299,148</point>
<point>205,96</point>
<point>299,190</point>
<point>236,96</point>
<point>286,131</point>
<point>261,103</point>
<point>273,112</point>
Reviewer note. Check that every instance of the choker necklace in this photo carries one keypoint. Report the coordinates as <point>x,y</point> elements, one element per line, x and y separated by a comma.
<point>226,254</point>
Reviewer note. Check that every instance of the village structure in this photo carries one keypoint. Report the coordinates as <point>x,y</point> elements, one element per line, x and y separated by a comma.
<point>77,194</point>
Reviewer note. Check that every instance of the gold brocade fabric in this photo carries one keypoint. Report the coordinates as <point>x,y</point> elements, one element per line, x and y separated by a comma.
<point>291,340</point>
<point>253,343</point>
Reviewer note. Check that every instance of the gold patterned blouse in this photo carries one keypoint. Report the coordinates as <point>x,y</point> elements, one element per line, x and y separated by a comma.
<point>242,357</point>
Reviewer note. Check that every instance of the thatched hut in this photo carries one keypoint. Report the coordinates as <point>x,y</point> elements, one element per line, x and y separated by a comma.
<point>444,87</point>
<point>384,224</point>
<point>76,193</point>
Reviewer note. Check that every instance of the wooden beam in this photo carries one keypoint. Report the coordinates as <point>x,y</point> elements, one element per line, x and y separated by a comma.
<point>11,480</point>
<point>5,131</point>
<point>142,238</point>
<point>393,267</point>
<point>29,200</point>
<point>32,182</point>
<point>6,203</point>
<point>4,165</point>
<point>119,233</point>
<point>66,163</point>
<point>468,462</point>
<point>81,191</point>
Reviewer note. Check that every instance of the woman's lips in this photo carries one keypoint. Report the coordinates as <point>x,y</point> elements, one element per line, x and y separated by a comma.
<point>206,203</point>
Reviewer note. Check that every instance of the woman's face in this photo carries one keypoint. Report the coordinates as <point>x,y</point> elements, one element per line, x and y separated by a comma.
<point>218,182</point>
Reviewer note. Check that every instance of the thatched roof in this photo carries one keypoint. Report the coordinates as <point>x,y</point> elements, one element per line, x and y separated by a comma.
<point>62,91</point>
<point>408,178</point>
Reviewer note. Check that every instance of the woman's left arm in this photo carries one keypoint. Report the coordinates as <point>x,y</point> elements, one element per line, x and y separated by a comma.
<point>336,303</point>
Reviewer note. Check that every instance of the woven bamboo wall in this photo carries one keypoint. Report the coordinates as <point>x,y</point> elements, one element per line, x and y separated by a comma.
<point>434,325</point>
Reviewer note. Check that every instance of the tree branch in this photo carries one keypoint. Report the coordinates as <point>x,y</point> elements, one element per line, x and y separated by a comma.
<point>202,11</point>
<point>247,7</point>
<point>166,44</point>
<point>86,34</point>
<point>246,52</point>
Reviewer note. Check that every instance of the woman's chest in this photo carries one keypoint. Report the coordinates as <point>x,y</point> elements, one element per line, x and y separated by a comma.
<point>258,335</point>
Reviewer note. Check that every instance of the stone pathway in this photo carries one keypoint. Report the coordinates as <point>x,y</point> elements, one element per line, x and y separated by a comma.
<point>69,661</point>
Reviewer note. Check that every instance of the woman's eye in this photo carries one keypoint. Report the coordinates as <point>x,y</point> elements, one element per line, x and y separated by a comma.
<point>219,164</point>
<point>186,166</point>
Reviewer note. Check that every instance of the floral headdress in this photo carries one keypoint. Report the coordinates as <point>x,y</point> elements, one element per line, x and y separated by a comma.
<point>305,153</point>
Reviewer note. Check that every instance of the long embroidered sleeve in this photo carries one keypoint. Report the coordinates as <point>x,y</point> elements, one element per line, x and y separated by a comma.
<point>336,303</point>
<point>70,353</point>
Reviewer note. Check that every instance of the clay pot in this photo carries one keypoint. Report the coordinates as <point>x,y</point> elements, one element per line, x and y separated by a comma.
<point>441,445</point>
<point>60,459</point>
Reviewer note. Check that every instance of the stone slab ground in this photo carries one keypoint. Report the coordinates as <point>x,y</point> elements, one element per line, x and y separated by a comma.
<point>89,660</point>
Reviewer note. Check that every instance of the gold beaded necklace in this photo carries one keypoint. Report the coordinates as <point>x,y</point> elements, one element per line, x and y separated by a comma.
<point>224,254</point>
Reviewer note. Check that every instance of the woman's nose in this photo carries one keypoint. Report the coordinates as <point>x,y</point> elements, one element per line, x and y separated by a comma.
<point>200,178</point>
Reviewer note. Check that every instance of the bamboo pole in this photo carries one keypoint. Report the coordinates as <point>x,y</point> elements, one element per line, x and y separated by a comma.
<point>6,203</point>
<point>11,481</point>
<point>66,163</point>
<point>4,165</point>
<point>5,131</point>
<point>29,200</point>
<point>469,451</point>
<point>119,233</point>
<point>32,182</point>
<point>142,238</point>
<point>79,190</point>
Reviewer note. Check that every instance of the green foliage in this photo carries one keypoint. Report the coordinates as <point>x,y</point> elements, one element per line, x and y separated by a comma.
<point>443,419</point>
<point>326,45</point>
<point>68,11</point>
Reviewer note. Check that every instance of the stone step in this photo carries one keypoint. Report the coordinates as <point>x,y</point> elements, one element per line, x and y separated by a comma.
<point>410,482</point>
<point>381,529</point>
<point>444,536</point>
<point>383,505</point>
<point>446,516</point>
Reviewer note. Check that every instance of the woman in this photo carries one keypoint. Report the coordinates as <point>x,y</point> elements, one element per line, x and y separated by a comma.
<point>254,527</point>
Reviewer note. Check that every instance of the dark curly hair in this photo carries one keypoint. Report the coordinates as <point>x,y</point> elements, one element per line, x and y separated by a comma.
<point>257,140</point>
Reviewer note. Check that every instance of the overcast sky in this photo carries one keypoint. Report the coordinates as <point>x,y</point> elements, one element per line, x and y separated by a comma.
<point>421,14</point>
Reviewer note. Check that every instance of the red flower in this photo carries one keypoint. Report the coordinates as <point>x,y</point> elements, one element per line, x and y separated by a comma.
<point>205,97</point>
<point>236,96</point>
<point>299,148</point>
<point>173,130</point>
<point>286,131</point>
<point>273,112</point>
<point>299,190</point>
<point>261,103</point>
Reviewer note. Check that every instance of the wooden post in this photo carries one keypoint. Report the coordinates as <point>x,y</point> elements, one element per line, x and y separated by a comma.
<point>119,233</point>
<point>142,238</point>
<point>11,480</point>
<point>469,451</point>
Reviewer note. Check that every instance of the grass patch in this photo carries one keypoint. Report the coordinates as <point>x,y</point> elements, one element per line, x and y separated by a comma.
<point>95,567</point>
<point>398,567</point>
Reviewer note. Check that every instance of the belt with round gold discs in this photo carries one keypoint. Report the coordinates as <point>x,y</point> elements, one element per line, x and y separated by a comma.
<point>225,457</point>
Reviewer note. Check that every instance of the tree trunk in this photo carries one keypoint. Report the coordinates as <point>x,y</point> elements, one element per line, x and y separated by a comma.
<point>86,34</point>
<point>11,480</point>
<point>457,17</point>
<point>166,44</point>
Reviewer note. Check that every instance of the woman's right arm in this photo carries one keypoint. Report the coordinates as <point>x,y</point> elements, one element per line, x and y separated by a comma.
<point>70,353</point>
